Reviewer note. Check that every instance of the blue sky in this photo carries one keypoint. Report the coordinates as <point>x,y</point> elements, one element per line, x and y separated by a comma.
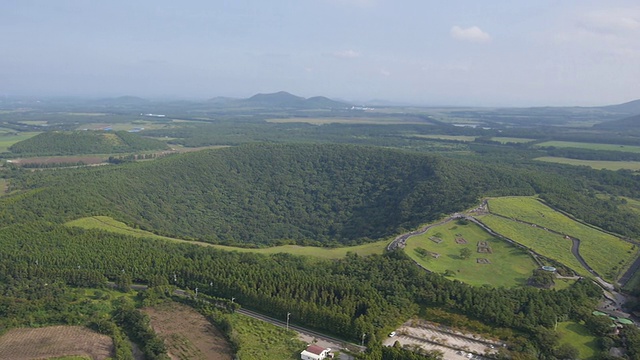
<point>489,53</point>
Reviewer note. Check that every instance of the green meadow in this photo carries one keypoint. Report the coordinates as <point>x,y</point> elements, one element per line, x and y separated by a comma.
<point>605,253</point>
<point>577,335</point>
<point>543,242</point>
<point>509,266</point>
<point>594,164</point>
<point>109,224</point>
<point>590,146</point>
<point>262,340</point>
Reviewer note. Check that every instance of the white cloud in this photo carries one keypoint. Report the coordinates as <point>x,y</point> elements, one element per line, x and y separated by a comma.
<point>347,54</point>
<point>471,34</point>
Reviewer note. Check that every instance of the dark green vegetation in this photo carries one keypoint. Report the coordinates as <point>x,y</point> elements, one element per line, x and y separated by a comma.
<point>300,183</point>
<point>84,142</point>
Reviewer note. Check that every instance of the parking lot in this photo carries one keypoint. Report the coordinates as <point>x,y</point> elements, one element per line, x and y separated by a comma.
<point>453,345</point>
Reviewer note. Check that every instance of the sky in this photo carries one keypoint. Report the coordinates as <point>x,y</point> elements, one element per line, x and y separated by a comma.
<point>425,52</point>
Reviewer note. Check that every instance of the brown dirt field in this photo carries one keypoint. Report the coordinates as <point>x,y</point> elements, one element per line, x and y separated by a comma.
<point>60,159</point>
<point>54,341</point>
<point>188,334</point>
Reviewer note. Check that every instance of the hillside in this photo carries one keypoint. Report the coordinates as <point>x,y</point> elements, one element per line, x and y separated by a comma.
<point>267,194</point>
<point>84,142</point>
<point>627,123</point>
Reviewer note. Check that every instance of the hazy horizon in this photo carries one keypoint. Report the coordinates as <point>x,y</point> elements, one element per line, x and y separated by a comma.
<point>430,53</point>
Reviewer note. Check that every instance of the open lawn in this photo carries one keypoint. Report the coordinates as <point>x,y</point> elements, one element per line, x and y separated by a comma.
<point>9,138</point>
<point>109,224</point>
<point>594,164</point>
<point>508,265</point>
<point>590,146</point>
<point>187,333</point>
<point>577,335</point>
<point>505,140</point>
<point>605,253</point>
<point>55,342</point>
<point>447,137</point>
<point>261,340</point>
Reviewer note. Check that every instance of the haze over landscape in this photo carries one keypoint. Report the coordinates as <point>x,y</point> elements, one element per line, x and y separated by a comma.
<point>489,53</point>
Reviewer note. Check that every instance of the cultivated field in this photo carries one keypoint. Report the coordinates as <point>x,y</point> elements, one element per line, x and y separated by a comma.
<point>594,164</point>
<point>605,253</point>
<point>61,160</point>
<point>507,265</point>
<point>261,340</point>
<point>447,137</point>
<point>187,334</point>
<point>577,335</point>
<point>53,342</point>
<point>109,224</point>
<point>590,146</point>
<point>354,120</point>
<point>505,140</point>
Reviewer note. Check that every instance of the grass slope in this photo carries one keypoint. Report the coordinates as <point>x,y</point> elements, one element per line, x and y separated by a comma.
<point>8,138</point>
<point>109,224</point>
<point>605,253</point>
<point>510,266</point>
<point>577,335</point>
<point>261,340</point>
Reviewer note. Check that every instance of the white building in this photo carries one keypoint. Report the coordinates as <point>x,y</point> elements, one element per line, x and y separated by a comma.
<point>314,352</point>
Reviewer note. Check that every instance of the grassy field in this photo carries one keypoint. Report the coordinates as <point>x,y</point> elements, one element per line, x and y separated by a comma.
<point>509,266</point>
<point>109,224</point>
<point>504,140</point>
<point>605,253</point>
<point>577,335</point>
<point>590,146</point>
<point>538,240</point>
<point>447,137</point>
<point>594,164</point>
<point>261,340</point>
<point>9,138</point>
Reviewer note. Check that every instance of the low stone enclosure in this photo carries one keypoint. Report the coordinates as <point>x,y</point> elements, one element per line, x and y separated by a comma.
<point>461,241</point>
<point>483,261</point>
<point>484,248</point>
<point>436,240</point>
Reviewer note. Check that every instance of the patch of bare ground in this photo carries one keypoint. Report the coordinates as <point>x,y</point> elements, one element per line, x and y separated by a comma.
<point>187,334</point>
<point>89,160</point>
<point>54,341</point>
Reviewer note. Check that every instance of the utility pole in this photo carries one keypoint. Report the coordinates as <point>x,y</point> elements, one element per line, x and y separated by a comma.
<point>196,292</point>
<point>288,314</point>
<point>363,335</point>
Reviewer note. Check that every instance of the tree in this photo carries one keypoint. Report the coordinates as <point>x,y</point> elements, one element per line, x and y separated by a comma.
<point>567,352</point>
<point>465,253</point>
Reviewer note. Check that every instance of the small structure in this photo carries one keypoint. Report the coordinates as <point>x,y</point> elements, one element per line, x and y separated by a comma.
<point>549,268</point>
<point>460,240</point>
<point>435,239</point>
<point>483,261</point>
<point>314,352</point>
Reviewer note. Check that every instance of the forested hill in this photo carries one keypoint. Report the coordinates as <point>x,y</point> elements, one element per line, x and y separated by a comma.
<point>84,142</point>
<point>265,194</point>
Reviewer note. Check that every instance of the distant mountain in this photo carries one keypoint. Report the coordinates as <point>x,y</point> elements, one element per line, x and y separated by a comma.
<point>222,100</point>
<point>627,123</point>
<point>283,99</point>
<point>631,107</point>
<point>124,100</point>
